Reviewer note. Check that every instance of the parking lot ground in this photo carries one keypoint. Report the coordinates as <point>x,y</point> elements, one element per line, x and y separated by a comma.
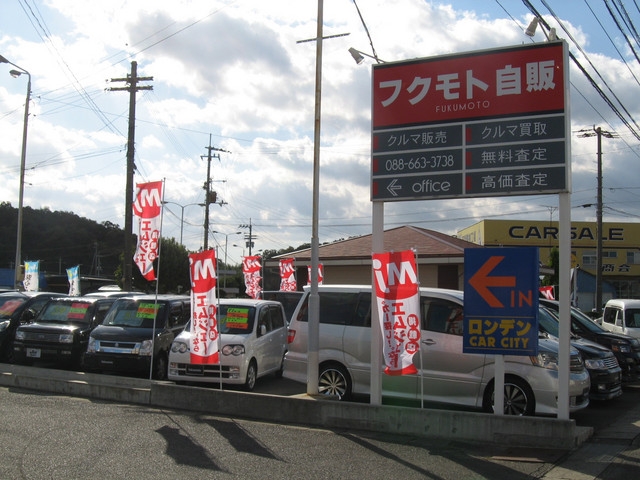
<point>611,453</point>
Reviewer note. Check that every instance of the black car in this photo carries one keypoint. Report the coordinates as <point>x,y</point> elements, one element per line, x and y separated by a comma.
<point>60,332</point>
<point>289,300</point>
<point>17,308</point>
<point>604,372</point>
<point>137,331</point>
<point>624,347</point>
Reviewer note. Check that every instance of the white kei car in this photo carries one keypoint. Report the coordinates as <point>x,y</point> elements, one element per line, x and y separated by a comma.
<point>253,342</point>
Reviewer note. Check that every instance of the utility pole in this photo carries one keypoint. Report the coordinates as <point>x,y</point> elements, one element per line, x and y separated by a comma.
<point>599,133</point>
<point>132,87</point>
<point>209,196</point>
<point>250,236</point>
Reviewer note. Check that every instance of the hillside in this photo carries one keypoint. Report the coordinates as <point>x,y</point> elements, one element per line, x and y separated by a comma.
<point>60,240</point>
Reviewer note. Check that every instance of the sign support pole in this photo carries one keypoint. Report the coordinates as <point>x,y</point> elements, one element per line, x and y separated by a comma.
<point>564,287</point>
<point>498,385</point>
<point>377,244</point>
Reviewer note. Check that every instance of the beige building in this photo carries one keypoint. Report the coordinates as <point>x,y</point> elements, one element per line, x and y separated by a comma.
<point>440,259</point>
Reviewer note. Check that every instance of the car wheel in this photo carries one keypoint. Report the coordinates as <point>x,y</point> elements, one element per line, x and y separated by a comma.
<point>252,373</point>
<point>280,371</point>
<point>160,368</point>
<point>518,397</point>
<point>334,381</point>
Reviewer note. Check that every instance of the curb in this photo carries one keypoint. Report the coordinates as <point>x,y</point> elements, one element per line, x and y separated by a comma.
<point>304,410</point>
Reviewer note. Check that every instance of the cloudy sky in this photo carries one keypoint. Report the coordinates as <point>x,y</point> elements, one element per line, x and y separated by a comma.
<point>234,73</point>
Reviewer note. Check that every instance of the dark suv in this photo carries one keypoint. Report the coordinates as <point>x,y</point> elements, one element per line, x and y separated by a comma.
<point>624,347</point>
<point>17,308</point>
<point>137,333</point>
<point>60,332</point>
<point>604,372</point>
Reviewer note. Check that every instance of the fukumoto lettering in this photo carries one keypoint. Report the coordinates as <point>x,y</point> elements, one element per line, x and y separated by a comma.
<point>507,81</point>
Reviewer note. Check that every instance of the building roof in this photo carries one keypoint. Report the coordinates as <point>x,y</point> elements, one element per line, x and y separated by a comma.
<point>426,243</point>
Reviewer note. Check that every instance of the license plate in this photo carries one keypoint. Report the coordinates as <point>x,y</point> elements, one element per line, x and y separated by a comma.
<point>194,370</point>
<point>33,352</point>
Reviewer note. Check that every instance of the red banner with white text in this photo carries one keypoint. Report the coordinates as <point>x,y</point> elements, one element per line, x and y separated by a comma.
<point>147,208</point>
<point>288,275</point>
<point>204,324</point>
<point>320,274</point>
<point>251,269</point>
<point>398,298</point>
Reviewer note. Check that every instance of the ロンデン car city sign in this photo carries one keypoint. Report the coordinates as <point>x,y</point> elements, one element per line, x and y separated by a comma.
<point>501,301</point>
<point>486,123</point>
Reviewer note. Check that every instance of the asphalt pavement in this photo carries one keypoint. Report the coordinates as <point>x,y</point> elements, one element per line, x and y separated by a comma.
<point>611,453</point>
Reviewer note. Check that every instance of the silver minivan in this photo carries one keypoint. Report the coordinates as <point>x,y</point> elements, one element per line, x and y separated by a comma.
<point>447,376</point>
<point>622,316</point>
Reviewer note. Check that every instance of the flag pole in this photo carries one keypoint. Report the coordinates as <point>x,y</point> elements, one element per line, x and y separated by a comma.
<point>155,307</point>
<point>421,375</point>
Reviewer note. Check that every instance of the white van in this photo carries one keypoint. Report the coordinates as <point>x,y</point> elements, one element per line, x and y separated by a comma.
<point>253,341</point>
<point>448,375</point>
<point>622,316</point>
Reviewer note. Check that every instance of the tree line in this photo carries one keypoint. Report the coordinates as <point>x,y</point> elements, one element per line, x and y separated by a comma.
<point>60,240</point>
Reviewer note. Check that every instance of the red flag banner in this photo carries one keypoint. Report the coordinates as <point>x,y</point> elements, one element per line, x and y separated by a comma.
<point>251,268</point>
<point>398,297</point>
<point>204,324</point>
<point>147,208</point>
<point>288,275</point>
<point>320,274</point>
<point>547,292</point>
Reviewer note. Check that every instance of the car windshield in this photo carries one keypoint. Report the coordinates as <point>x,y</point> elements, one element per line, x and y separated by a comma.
<point>236,319</point>
<point>9,304</point>
<point>64,312</point>
<point>233,319</point>
<point>585,322</point>
<point>135,313</point>
<point>547,322</point>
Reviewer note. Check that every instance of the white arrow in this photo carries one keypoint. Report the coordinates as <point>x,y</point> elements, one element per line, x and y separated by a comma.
<point>392,187</point>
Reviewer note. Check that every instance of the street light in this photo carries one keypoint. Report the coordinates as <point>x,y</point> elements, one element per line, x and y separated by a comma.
<point>358,56</point>
<point>226,243</point>
<point>182,207</point>
<point>15,74</point>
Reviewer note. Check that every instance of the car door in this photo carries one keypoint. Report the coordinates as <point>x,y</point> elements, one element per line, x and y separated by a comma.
<point>448,375</point>
<point>262,345</point>
<point>278,342</point>
<point>612,319</point>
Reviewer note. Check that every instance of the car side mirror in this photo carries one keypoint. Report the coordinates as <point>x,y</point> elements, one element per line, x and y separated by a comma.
<point>28,315</point>
<point>263,330</point>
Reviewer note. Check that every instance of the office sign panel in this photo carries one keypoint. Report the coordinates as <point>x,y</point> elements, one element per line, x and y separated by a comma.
<point>501,301</point>
<point>495,119</point>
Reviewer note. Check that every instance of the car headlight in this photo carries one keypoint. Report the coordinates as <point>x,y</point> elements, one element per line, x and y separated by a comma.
<point>595,364</point>
<point>65,338</point>
<point>621,347</point>
<point>20,335</point>
<point>4,325</point>
<point>179,347</point>
<point>91,346</point>
<point>233,350</point>
<point>545,360</point>
<point>145,348</point>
